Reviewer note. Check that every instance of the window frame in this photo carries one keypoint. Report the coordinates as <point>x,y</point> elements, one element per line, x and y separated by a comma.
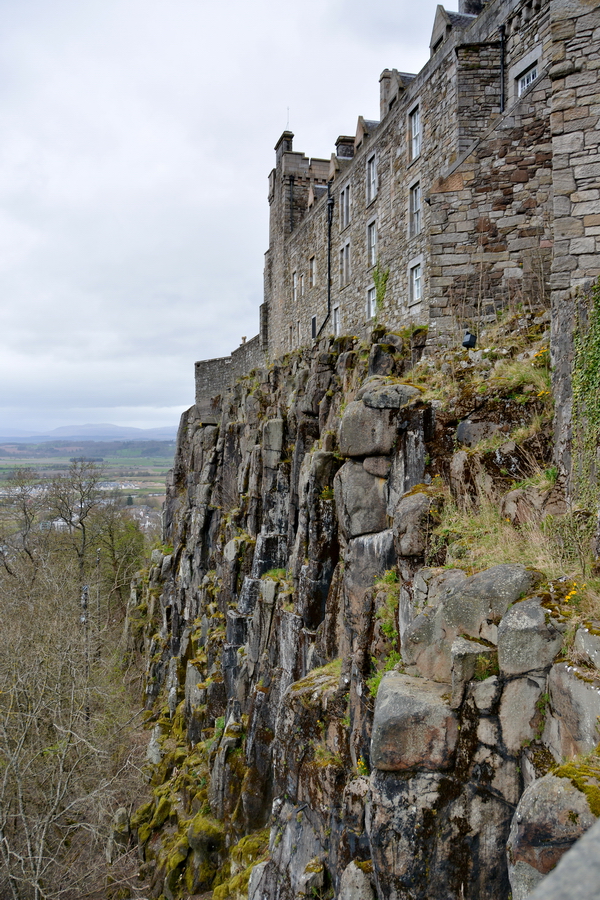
<point>336,320</point>
<point>415,209</point>
<point>345,206</point>
<point>345,271</point>
<point>294,287</point>
<point>522,88</point>
<point>312,271</point>
<point>415,138</point>
<point>371,302</point>
<point>372,184</point>
<point>372,232</point>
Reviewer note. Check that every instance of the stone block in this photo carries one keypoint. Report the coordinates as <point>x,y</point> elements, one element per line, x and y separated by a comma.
<point>572,723</point>
<point>527,639</point>
<point>465,656</point>
<point>355,884</point>
<point>519,713</point>
<point>377,465</point>
<point>577,874</point>
<point>588,643</point>
<point>410,524</point>
<point>366,431</point>
<point>486,693</point>
<point>413,725</point>
<point>361,500</point>
<point>551,815</point>
<point>387,395</point>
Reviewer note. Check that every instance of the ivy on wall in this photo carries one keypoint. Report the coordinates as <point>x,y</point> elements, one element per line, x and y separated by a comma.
<point>586,404</point>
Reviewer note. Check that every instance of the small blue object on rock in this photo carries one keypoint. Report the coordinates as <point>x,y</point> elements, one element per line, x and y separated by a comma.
<point>469,340</point>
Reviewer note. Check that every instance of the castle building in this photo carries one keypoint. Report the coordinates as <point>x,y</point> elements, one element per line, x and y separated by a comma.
<point>477,188</point>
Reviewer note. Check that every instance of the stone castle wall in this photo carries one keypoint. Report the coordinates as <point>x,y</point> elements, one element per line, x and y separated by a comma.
<point>508,203</point>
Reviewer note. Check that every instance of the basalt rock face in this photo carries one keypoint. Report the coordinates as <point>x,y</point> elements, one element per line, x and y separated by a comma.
<point>304,566</point>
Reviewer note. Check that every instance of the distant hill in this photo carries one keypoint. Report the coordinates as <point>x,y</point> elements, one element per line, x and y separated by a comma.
<point>101,432</point>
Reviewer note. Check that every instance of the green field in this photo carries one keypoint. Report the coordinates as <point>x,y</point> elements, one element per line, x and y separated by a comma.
<point>138,468</point>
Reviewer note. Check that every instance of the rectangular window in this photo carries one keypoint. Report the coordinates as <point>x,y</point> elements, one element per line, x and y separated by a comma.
<point>302,285</point>
<point>416,275</point>
<point>414,133</point>
<point>294,286</point>
<point>299,335</point>
<point>372,243</point>
<point>345,265</point>
<point>371,178</point>
<point>527,78</point>
<point>313,327</point>
<point>345,207</point>
<point>312,272</point>
<point>415,209</point>
<point>336,320</point>
<point>371,303</point>
<point>291,337</point>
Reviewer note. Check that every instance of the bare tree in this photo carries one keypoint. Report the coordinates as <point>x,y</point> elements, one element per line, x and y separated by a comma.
<point>65,761</point>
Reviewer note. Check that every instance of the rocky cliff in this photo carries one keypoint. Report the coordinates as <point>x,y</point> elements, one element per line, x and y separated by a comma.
<point>371,657</point>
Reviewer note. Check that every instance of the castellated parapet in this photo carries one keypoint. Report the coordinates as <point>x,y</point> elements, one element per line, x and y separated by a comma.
<point>477,188</point>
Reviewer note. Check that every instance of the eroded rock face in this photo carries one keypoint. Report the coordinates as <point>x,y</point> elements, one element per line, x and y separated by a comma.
<point>572,724</point>
<point>361,500</point>
<point>474,608</point>
<point>278,606</point>
<point>552,814</point>
<point>367,431</point>
<point>413,726</point>
<point>528,640</point>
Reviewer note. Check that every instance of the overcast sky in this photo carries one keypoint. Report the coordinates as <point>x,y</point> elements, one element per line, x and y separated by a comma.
<point>135,143</point>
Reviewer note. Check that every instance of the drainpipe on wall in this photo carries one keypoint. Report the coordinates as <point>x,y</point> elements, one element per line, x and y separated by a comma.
<point>330,205</point>
<point>502,31</point>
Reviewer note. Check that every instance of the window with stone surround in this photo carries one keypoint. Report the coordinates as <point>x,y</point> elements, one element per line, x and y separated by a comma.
<point>522,73</point>
<point>302,285</point>
<point>372,243</point>
<point>336,321</point>
<point>312,272</point>
<point>294,286</point>
<point>415,209</point>
<point>313,327</point>
<point>414,133</point>
<point>345,207</point>
<point>415,285</point>
<point>526,78</point>
<point>371,302</point>
<point>345,265</point>
<point>371,178</point>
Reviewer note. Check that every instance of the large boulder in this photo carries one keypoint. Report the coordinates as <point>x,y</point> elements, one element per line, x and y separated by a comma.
<point>572,724</point>
<point>383,394</point>
<point>411,521</point>
<point>552,814</point>
<point>528,640</point>
<point>355,884</point>
<point>521,712</point>
<point>367,431</point>
<point>360,500</point>
<point>413,725</point>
